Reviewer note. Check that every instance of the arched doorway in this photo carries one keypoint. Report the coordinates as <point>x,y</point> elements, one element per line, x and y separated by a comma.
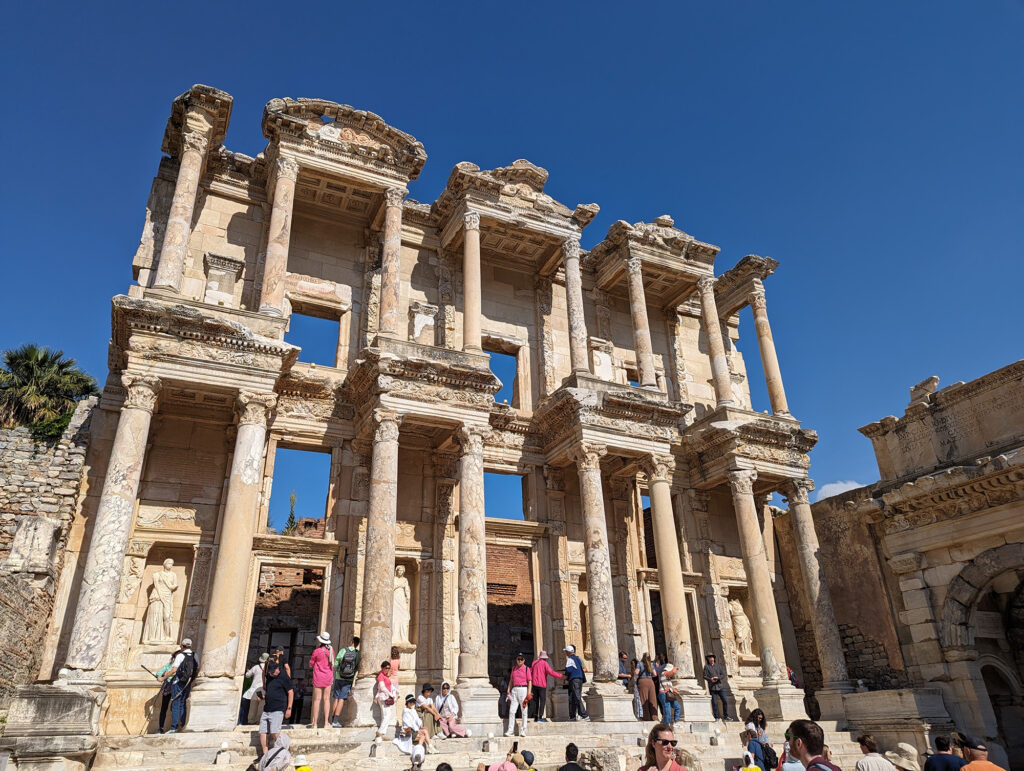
<point>1008,705</point>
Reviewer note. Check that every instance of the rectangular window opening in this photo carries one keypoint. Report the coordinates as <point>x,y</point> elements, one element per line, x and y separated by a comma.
<point>652,558</point>
<point>317,336</point>
<point>298,494</point>
<point>632,377</point>
<point>504,366</point>
<point>504,495</point>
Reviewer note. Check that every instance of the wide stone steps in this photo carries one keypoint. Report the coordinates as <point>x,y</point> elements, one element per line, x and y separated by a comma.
<point>714,747</point>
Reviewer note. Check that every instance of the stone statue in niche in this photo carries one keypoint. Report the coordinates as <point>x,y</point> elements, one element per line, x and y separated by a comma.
<point>402,613</point>
<point>160,615</point>
<point>741,628</point>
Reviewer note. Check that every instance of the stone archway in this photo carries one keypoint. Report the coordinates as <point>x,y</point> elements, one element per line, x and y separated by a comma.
<point>967,586</point>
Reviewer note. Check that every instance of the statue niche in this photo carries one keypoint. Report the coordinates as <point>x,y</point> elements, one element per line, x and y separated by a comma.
<point>160,614</point>
<point>402,613</point>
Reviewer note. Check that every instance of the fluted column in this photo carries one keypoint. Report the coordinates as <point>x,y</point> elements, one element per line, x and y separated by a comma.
<point>641,324</point>
<point>101,580</point>
<point>472,558</point>
<point>716,346</point>
<point>826,631</point>
<point>381,526</point>
<point>276,265</point>
<point>226,612</point>
<point>659,469</point>
<point>391,262</point>
<point>471,291</point>
<point>174,251</point>
<point>769,361</point>
<point>759,582</point>
<point>574,301</point>
<point>600,596</point>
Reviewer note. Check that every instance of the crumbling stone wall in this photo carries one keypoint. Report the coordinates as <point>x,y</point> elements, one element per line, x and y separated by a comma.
<point>39,486</point>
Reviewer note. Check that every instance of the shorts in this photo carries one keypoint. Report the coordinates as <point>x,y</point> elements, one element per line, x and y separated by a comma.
<point>271,722</point>
<point>341,690</point>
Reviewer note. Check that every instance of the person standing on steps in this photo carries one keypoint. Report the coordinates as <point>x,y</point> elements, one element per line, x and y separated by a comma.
<point>575,677</point>
<point>254,690</point>
<point>386,696</point>
<point>322,663</point>
<point>181,674</point>
<point>647,676</point>
<point>540,672</point>
<point>518,694</point>
<point>278,706</point>
<point>718,685</point>
<point>345,667</point>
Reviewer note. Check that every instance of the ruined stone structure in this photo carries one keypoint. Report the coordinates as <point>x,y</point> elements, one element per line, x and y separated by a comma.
<point>628,385</point>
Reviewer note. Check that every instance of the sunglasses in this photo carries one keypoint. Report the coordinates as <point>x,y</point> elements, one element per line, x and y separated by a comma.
<point>667,742</point>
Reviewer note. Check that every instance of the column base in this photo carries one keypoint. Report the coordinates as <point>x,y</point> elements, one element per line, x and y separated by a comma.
<point>609,703</point>
<point>358,709</point>
<point>477,697</point>
<point>213,704</point>
<point>781,701</point>
<point>830,700</point>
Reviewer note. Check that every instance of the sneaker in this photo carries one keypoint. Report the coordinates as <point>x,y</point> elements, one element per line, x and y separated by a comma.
<point>469,733</point>
<point>586,719</point>
<point>508,733</point>
<point>335,724</point>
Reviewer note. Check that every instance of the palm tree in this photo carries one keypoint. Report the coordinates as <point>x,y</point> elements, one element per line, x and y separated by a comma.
<point>38,385</point>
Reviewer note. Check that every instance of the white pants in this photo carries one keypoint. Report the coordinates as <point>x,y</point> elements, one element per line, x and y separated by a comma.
<point>518,698</point>
<point>386,722</point>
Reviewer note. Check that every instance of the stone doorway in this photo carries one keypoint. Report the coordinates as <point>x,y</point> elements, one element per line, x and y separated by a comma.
<point>509,609</point>
<point>287,614</point>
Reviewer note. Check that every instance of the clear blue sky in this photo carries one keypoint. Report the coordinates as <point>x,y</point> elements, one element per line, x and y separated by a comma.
<point>875,149</point>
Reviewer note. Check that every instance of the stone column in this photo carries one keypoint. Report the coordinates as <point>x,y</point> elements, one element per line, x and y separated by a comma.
<point>641,325</point>
<point>827,639</point>
<point>174,251</point>
<point>101,581</point>
<point>770,362</point>
<point>473,685</point>
<point>216,686</point>
<point>716,346</point>
<point>471,291</point>
<point>378,586</point>
<point>391,262</point>
<point>574,300</point>
<point>278,237</point>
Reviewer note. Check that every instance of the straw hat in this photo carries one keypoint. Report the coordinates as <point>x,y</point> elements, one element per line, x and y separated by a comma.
<point>904,756</point>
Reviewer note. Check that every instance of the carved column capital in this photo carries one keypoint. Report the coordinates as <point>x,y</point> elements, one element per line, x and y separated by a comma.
<point>255,408</point>
<point>288,168</point>
<point>588,456</point>
<point>196,141</point>
<point>706,285</point>
<point>141,391</point>
<point>394,196</point>
<point>798,490</point>
<point>471,440</point>
<point>634,265</point>
<point>471,220</point>
<point>742,481</point>
<point>385,425</point>
<point>659,468</point>
<point>757,299</point>
<point>571,248</point>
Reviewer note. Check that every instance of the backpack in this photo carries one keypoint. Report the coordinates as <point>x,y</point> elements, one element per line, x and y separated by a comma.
<point>187,669</point>
<point>771,759</point>
<point>349,662</point>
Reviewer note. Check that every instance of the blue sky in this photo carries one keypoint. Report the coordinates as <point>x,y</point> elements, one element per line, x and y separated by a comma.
<point>873,148</point>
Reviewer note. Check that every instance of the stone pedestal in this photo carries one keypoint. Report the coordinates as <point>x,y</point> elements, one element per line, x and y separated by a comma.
<point>213,705</point>
<point>609,703</point>
<point>479,702</point>
<point>358,709</point>
<point>697,707</point>
<point>832,705</point>
<point>52,727</point>
<point>781,702</point>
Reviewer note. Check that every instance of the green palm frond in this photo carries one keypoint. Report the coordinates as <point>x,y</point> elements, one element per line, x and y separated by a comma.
<point>38,385</point>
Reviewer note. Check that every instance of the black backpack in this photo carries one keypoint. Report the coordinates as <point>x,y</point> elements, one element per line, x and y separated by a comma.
<point>187,669</point>
<point>349,662</point>
<point>771,760</point>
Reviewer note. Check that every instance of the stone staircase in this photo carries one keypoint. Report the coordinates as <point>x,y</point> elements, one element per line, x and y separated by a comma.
<point>712,747</point>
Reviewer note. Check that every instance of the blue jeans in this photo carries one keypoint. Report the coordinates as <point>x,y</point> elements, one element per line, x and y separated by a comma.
<point>179,695</point>
<point>671,711</point>
<point>717,696</point>
<point>576,705</point>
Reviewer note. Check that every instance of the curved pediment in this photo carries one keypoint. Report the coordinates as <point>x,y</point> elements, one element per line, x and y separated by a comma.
<point>342,127</point>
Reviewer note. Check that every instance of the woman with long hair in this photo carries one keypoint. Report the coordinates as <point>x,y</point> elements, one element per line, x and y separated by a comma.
<point>757,723</point>
<point>660,754</point>
<point>646,677</point>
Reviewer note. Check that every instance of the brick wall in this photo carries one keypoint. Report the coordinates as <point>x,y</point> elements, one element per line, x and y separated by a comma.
<point>866,659</point>
<point>39,485</point>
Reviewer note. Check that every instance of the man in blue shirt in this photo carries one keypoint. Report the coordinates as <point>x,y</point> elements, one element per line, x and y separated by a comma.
<point>574,677</point>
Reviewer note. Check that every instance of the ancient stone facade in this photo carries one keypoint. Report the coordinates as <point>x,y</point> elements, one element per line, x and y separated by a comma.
<point>629,385</point>
<point>927,564</point>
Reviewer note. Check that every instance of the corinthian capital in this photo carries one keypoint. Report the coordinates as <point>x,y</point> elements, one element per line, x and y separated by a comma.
<point>394,196</point>
<point>798,490</point>
<point>634,265</point>
<point>141,391</point>
<point>571,248</point>
<point>659,468</point>
<point>706,285</point>
<point>471,440</point>
<point>288,168</point>
<point>195,141</point>
<point>385,425</point>
<point>587,455</point>
<point>742,482</point>
<point>757,299</point>
<point>471,220</point>
<point>255,408</point>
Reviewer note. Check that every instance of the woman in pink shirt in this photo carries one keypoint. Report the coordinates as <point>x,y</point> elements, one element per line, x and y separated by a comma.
<point>322,664</point>
<point>540,672</point>
<point>518,692</point>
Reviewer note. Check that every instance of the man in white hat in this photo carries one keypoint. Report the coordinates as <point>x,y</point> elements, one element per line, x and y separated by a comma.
<point>668,698</point>
<point>574,676</point>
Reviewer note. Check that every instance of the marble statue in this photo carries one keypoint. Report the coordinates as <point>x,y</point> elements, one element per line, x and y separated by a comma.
<point>402,614</point>
<point>741,628</point>
<point>160,615</point>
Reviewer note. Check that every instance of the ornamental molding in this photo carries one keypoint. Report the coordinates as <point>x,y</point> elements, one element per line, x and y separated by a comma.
<point>141,391</point>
